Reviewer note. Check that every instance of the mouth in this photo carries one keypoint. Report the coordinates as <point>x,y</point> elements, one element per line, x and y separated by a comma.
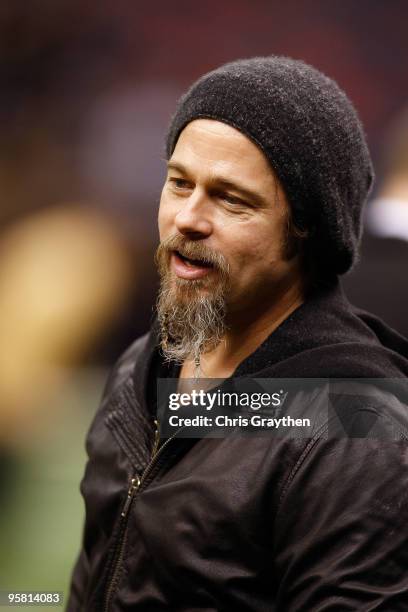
<point>189,268</point>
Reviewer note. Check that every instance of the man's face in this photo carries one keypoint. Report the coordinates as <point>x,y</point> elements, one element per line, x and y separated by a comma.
<point>223,207</point>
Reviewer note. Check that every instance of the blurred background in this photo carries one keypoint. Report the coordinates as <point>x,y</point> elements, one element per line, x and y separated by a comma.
<point>88,90</point>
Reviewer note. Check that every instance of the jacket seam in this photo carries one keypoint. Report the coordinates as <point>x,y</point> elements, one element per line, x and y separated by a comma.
<point>123,444</point>
<point>306,451</point>
<point>298,464</point>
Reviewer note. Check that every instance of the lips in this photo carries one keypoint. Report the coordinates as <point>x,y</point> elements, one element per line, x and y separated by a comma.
<point>187,268</point>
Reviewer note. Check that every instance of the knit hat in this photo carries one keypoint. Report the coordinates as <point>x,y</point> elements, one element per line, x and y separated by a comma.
<point>310,133</point>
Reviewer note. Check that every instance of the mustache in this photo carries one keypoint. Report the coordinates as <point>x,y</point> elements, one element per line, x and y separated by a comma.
<point>192,250</point>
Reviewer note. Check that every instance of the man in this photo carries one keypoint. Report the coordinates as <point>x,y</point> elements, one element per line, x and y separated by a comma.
<point>268,171</point>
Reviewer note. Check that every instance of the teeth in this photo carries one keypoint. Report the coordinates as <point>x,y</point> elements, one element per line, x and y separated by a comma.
<point>191,262</point>
<point>187,261</point>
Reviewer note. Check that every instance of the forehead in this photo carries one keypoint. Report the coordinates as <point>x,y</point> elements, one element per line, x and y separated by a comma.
<point>206,145</point>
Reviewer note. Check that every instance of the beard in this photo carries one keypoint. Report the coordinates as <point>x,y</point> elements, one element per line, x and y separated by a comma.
<point>191,313</point>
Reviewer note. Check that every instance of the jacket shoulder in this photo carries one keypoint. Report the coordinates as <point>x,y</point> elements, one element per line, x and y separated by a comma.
<point>126,363</point>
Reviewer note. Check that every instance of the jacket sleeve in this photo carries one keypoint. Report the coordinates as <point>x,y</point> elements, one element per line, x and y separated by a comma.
<point>80,574</point>
<point>78,584</point>
<point>342,528</point>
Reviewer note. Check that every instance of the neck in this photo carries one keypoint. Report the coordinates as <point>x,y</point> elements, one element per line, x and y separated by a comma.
<point>246,330</point>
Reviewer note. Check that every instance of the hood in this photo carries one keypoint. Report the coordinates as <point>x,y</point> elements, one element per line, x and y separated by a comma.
<point>328,337</point>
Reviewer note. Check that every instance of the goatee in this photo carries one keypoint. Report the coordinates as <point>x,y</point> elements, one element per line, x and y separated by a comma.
<point>191,313</point>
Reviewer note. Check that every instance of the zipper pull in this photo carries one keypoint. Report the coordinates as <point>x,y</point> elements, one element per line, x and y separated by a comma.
<point>133,487</point>
<point>156,438</point>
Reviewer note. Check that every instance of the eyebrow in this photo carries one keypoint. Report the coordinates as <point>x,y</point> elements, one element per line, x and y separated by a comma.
<point>225,183</point>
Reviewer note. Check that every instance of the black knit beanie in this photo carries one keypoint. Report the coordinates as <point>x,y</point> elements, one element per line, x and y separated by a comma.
<point>310,133</point>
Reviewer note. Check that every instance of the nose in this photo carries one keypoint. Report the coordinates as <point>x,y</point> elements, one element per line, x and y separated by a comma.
<point>193,219</point>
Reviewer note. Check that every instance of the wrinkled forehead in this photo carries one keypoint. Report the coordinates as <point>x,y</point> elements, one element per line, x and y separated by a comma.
<point>208,147</point>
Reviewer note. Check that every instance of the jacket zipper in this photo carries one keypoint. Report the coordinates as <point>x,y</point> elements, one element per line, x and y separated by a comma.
<point>134,487</point>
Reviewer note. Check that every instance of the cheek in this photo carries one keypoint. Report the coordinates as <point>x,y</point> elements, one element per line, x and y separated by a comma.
<point>257,247</point>
<point>245,258</point>
<point>164,218</point>
<point>271,239</point>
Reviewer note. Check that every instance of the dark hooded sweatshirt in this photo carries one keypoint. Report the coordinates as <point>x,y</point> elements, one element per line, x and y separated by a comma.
<point>262,523</point>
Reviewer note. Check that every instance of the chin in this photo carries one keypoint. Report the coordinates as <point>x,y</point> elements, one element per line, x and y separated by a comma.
<point>192,287</point>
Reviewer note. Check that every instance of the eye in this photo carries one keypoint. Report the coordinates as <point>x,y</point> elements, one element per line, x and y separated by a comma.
<point>232,199</point>
<point>179,183</point>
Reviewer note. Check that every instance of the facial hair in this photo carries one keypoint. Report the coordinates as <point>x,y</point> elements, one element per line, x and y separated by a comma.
<point>191,313</point>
